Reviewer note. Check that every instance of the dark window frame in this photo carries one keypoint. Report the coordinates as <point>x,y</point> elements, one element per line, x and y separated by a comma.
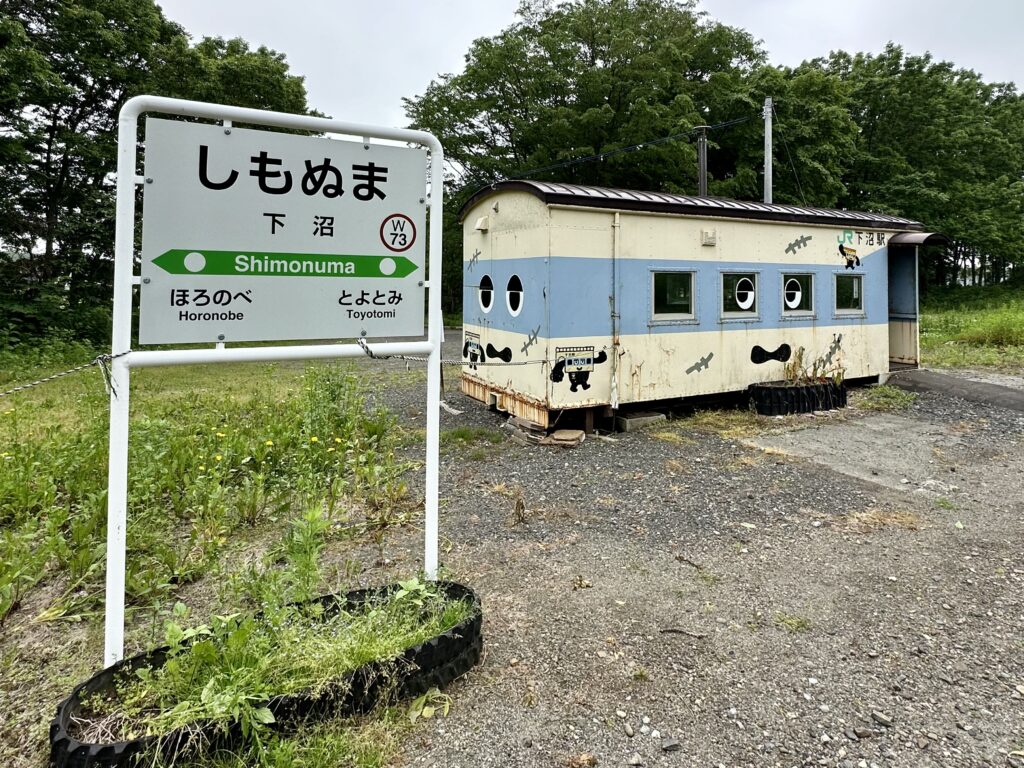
<point>808,294</point>
<point>848,311</point>
<point>739,314</point>
<point>660,317</point>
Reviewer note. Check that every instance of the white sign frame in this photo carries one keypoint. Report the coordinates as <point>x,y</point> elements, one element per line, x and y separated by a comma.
<point>124,359</point>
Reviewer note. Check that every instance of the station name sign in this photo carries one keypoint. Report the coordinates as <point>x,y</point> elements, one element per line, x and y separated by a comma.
<point>257,235</point>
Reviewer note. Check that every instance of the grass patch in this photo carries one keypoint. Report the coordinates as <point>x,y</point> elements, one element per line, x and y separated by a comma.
<point>733,423</point>
<point>213,454</point>
<point>42,358</point>
<point>1000,328</point>
<point>371,741</point>
<point>672,437</point>
<point>219,459</point>
<point>874,519</point>
<point>412,436</point>
<point>792,623</point>
<point>884,397</point>
<point>979,326</point>
<point>464,436</point>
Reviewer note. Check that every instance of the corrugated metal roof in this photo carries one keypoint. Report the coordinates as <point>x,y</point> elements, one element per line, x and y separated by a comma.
<point>687,205</point>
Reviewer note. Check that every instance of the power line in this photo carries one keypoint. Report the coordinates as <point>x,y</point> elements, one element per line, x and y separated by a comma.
<point>799,187</point>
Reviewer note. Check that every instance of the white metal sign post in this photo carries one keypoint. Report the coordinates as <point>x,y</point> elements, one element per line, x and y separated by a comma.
<point>254,235</point>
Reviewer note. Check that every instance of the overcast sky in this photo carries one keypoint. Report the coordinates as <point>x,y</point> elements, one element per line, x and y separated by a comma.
<point>360,58</point>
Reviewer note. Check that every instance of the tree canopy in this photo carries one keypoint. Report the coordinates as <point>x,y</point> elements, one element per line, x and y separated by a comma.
<point>581,78</point>
<point>937,144</point>
<point>66,68</point>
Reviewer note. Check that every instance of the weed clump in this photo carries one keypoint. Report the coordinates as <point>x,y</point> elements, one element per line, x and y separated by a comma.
<point>792,623</point>
<point>225,673</point>
<point>205,467</point>
<point>885,397</point>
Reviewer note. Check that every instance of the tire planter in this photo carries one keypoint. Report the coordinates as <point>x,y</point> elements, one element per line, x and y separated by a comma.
<point>433,663</point>
<point>783,399</point>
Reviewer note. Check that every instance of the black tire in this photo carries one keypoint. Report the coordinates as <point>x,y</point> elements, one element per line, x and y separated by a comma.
<point>434,663</point>
<point>782,399</point>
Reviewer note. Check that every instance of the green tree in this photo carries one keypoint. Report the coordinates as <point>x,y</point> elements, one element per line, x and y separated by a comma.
<point>593,76</point>
<point>939,145</point>
<point>227,72</point>
<point>67,68</point>
<point>814,138</point>
<point>583,78</point>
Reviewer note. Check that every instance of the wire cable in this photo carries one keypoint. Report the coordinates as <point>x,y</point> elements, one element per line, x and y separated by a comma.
<point>799,187</point>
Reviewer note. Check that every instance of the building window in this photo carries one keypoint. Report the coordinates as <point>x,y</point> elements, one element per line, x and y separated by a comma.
<point>796,293</point>
<point>849,293</point>
<point>673,295</point>
<point>739,293</point>
<point>485,293</point>
<point>514,295</point>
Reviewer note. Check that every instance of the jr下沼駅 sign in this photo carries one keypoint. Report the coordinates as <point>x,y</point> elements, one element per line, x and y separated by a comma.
<point>257,235</point>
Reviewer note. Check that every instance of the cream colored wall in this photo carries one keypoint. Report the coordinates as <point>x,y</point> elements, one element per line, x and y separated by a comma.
<point>530,379</point>
<point>587,233</point>
<point>516,212</point>
<point>518,227</point>
<point>654,367</point>
<point>582,233</point>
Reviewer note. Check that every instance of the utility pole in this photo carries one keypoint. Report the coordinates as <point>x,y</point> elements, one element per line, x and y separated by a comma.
<point>702,161</point>
<point>768,150</point>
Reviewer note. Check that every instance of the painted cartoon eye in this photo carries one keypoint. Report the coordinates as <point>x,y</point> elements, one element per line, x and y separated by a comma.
<point>794,293</point>
<point>745,293</point>
<point>514,295</point>
<point>485,293</point>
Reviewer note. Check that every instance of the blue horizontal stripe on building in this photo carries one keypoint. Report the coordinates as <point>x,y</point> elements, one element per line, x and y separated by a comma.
<point>568,297</point>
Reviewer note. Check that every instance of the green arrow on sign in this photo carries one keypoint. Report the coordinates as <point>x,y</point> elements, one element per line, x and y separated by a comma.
<point>181,261</point>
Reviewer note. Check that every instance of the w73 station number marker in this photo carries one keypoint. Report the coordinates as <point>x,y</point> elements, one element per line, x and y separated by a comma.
<point>398,232</point>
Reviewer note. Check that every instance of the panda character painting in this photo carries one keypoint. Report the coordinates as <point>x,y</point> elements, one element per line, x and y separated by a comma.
<point>579,363</point>
<point>475,353</point>
<point>472,350</point>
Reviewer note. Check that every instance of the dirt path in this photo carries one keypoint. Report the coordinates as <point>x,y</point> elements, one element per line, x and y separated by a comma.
<point>848,595</point>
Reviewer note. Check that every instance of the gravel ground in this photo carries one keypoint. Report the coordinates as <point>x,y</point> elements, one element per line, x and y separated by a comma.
<point>841,591</point>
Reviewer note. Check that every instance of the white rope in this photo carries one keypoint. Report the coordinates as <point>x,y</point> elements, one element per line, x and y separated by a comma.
<point>417,359</point>
<point>101,360</point>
